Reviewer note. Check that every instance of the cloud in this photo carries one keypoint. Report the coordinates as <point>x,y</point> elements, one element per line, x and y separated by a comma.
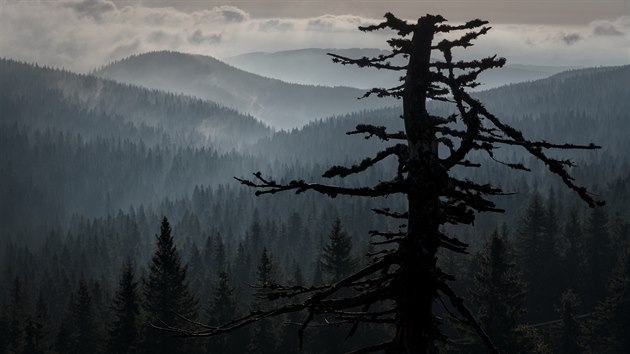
<point>91,8</point>
<point>571,38</point>
<point>220,15</point>
<point>232,14</point>
<point>197,37</point>
<point>84,34</point>
<point>126,49</point>
<point>606,30</point>
<point>275,26</point>
<point>617,27</point>
<point>332,23</point>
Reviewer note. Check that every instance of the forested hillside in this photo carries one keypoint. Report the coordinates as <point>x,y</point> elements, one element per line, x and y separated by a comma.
<point>90,167</point>
<point>44,98</point>
<point>275,102</point>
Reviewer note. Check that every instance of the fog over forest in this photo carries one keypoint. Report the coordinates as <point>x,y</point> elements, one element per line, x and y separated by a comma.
<point>153,197</point>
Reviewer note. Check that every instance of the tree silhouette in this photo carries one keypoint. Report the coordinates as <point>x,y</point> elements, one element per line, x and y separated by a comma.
<point>123,332</point>
<point>222,308</point>
<point>262,339</point>
<point>608,331</point>
<point>336,261</point>
<point>499,294</point>
<point>540,262</point>
<point>571,329</point>
<point>85,335</point>
<point>401,285</point>
<point>16,317</point>
<point>168,300</point>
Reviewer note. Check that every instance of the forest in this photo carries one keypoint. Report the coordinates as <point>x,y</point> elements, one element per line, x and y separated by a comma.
<point>120,214</point>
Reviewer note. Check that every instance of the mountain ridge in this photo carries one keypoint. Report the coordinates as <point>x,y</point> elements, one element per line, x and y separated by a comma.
<point>280,104</point>
<point>286,65</point>
<point>47,97</point>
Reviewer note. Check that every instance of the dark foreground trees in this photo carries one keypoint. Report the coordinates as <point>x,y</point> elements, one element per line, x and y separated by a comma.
<point>499,295</point>
<point>402,283</point>
<point>124,332</point>
<point>168,300</point>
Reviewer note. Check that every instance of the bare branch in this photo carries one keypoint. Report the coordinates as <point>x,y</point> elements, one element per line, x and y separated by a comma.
<point>299,186</point>
<point>399,150</point>
<point>470,318</point>
<point>378,131</point>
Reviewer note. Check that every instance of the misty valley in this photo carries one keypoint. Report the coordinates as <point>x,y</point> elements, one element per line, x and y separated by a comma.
<point>149,165</point>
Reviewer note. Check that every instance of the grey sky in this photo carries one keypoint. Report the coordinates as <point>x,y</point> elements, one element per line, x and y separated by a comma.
<point>83,34</point>
<point>505,11</point>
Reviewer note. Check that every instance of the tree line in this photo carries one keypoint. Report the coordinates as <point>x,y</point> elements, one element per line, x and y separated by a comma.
<point>548,283</point>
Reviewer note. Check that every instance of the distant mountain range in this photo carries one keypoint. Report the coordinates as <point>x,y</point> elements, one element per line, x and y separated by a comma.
<point>577,106</point>
<point>313,67</point>
<point>280,104</point>
<point>78,143</point>
<point>44,98</point>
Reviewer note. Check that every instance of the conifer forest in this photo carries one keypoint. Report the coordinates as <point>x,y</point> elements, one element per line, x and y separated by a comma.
<point>199,177</point>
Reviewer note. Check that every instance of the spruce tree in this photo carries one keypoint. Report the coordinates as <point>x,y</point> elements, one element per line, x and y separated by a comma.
<point>222,308</point>
<point>600,256</point>
<point>4,332</point>
<point>124,331</point>
<point>16,317</point>
<point>31,346</point>
<point>84,337</point>
<point>337,261</point>
<point>298,278</point>
<point>243,269</point>
<point>574,259</point>
<point>571,329</point>
<point>608,328</point>
<point>166,296</point>
<point>499,295</point>
<point>37,328</point>
<point>62,339</point>
<point>4,335</point>
<point>539,260</point>
<point>262,338</point>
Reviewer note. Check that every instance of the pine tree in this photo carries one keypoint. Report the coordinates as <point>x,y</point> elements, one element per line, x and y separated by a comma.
<point>4,335</point>
<point>600,256</point>
<point>318,276</point>
<point>608,329</point>
<point>16,315</point>
<point>84,337</point>
<point>37,328</point>
<point>499,294</point>
<point>265,271</point>
<point>571,329</point>
<point>539,260</point>
<point>31,346</point>
<point>243,269</point>
<point>574,260</point>
<point>124,331</point>
<point>166,296</point>
<point>63,340</point>
<point>222,308</point>
<point>337,261</point>
<point>262,339</point>
<point>298,278</point>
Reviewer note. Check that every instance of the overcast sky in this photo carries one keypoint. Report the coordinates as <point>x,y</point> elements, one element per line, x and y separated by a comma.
<point>83,34</point>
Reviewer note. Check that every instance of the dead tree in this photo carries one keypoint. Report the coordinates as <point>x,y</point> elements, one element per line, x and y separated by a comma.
<point>401,285</point>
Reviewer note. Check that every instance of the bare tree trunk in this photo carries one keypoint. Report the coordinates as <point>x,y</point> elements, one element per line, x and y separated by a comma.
<point>416,332</point>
